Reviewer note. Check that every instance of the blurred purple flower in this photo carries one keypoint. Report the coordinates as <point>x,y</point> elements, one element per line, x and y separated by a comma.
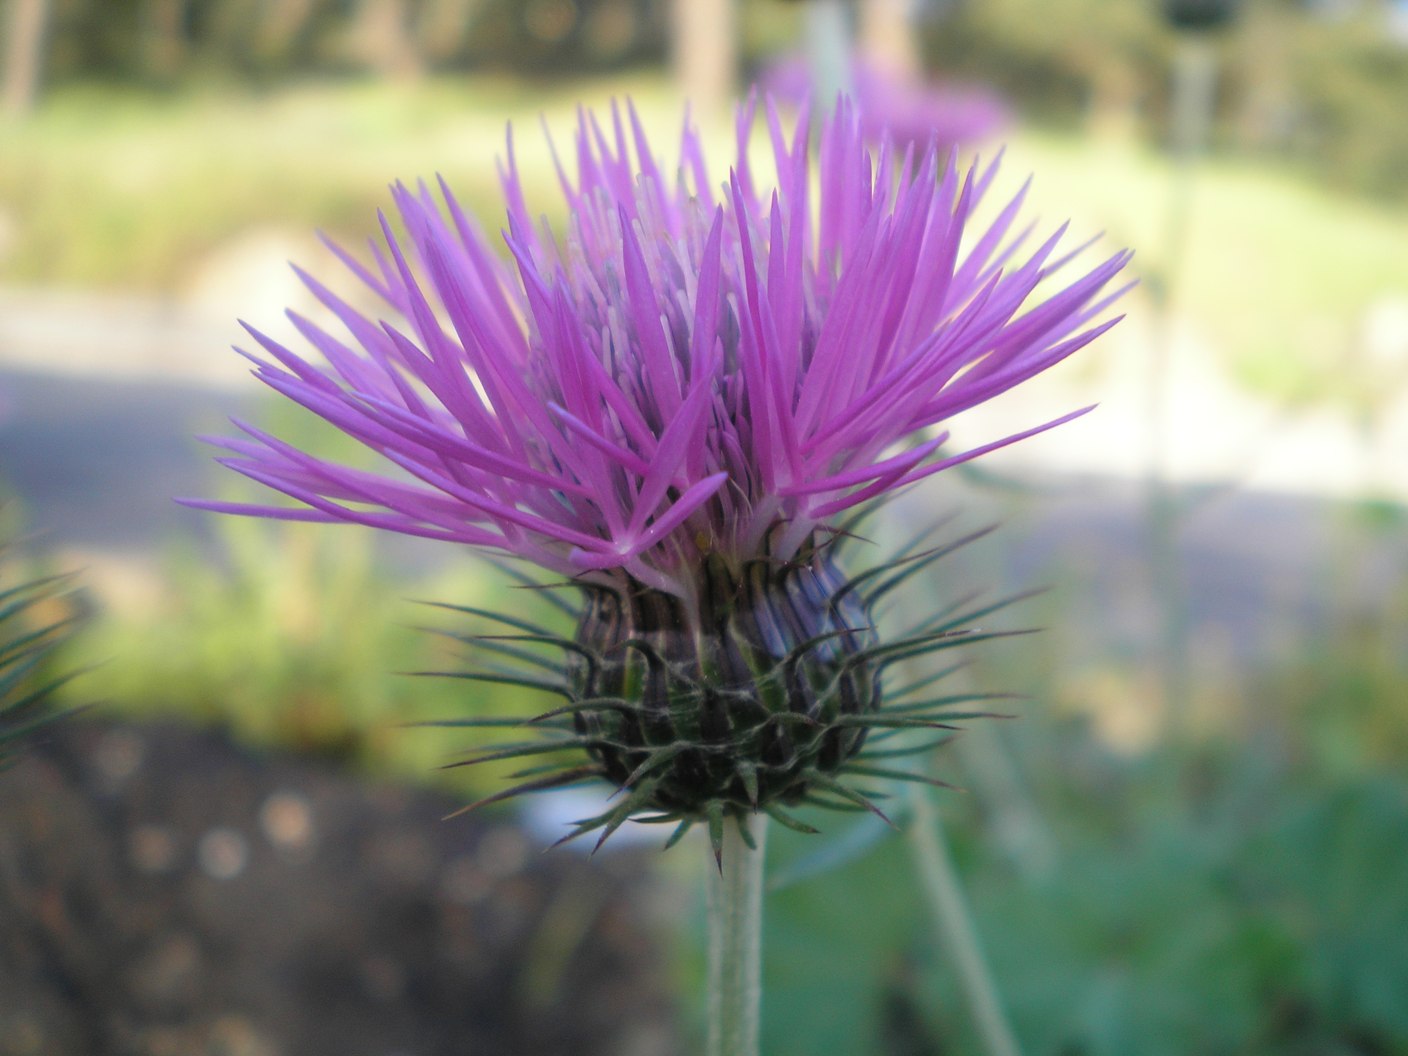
<point>685,369</point>
<point>908,112</point>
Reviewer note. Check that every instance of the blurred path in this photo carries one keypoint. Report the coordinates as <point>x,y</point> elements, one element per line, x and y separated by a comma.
<point>118,337</point>
<point>96,461</point>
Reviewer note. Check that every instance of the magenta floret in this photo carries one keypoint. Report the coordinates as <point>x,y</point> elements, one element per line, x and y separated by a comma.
<point>686,368</point>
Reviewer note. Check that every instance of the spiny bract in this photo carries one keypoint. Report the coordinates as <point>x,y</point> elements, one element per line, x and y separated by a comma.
<point>761,698</point>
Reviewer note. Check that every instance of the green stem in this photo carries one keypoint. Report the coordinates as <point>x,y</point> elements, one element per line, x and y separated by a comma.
<point>950,912</point>
<point>736,940</point>
<point>829,51</point>
<point>1194,89</point>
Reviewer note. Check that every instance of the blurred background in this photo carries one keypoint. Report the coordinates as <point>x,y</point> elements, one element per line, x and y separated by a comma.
<point>1191,840</point>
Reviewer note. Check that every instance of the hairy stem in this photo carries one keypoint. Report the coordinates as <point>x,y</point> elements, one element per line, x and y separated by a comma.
<point>735,940</point>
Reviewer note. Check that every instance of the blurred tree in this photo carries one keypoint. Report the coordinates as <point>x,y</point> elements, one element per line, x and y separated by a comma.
<point>443,26</point>
<point>26,24</point>
<point>1351,90</point>
<point>1062,59</point>
<point>887,37</point>
<point>223,29</point>
<point>1324,92</point>
<point>163,31</point>
<point>283,25</point>
<point>706,53</point>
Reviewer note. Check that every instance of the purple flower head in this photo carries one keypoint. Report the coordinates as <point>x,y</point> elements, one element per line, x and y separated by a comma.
<point>687,370</point>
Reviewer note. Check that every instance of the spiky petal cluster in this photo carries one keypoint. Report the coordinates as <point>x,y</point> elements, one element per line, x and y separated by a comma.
<point>685,369</point>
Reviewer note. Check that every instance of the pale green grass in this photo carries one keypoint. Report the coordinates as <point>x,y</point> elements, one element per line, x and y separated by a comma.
<point>119,190</point>
<point>1277,274</point>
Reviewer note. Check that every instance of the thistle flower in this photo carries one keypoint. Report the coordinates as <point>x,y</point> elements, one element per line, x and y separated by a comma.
<point>675,402</point>
<point>906,110</point>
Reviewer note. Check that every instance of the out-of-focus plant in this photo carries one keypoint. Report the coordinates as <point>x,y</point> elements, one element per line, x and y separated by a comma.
<point>1251,909</point>
<point>1342,695</point>
<point>294,639</point>
<point>37,615</point>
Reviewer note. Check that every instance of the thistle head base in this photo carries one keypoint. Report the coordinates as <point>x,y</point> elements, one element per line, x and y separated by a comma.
<point>734,700</point>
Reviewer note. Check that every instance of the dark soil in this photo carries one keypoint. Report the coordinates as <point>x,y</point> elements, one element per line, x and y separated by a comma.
<point>166,893</point>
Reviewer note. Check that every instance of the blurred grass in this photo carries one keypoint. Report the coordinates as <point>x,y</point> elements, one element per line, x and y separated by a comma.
<point>119,188</point>
<point>1278,272</point>
<point>303,642</point>
<point>296,637</point>
<point>1236,892</point>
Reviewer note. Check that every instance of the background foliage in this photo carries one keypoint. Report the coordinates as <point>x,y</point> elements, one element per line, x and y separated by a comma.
<point>1319,84</point>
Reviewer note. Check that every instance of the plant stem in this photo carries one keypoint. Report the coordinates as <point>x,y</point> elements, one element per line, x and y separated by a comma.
<point>1194,88</point>
<point>735,939</point>
<point>950,912</point>
<point>829,51</point>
